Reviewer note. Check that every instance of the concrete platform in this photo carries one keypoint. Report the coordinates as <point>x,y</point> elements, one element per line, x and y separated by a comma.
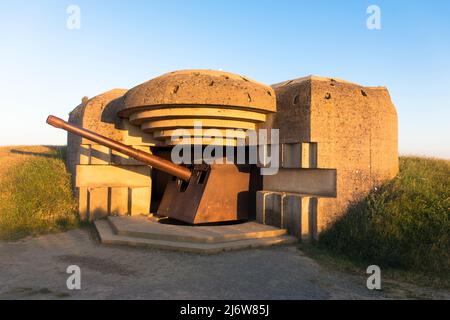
<point>142,232</point>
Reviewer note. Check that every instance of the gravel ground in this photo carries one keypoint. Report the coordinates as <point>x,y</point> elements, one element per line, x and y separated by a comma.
<point>35,268</point>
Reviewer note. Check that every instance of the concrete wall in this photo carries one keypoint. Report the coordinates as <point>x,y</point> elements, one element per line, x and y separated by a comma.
<point>354,129</point>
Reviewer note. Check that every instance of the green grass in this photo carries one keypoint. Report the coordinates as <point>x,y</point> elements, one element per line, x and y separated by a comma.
<point>36,197</point>
<point>403,225</point>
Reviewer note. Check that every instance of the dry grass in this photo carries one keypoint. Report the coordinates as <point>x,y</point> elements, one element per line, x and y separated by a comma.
<point>35,193</point>
<point>13,155</point>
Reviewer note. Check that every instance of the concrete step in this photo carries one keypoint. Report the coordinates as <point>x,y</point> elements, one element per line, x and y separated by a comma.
<point>142,227</point>
<point>107,236</point>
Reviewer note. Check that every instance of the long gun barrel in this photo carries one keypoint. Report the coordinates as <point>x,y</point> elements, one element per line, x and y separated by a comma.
<point>147,158</point>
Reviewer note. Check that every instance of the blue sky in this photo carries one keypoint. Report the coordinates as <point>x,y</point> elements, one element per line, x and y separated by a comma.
<point>45,68</point>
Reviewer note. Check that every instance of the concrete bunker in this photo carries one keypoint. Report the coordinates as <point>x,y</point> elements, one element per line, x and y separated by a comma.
<point>337,141</point>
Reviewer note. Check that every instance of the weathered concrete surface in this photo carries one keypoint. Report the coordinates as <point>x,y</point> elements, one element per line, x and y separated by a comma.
<point>143,227</point>
<point>171,242</point>
<point>141,231</point>
<point>35,268</point>
<point>295,212</point>
<point>99,115</point>
<point>97,171</point>
<point>320,182</point>
<point>298,155</point>
<point>113,176</point>
<point>200,87</point>
<point>183,99</point>
<point>354,127</point>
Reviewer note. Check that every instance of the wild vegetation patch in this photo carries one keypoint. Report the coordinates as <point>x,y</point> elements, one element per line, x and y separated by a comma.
<point>404,224</point>
<point>35,194</point>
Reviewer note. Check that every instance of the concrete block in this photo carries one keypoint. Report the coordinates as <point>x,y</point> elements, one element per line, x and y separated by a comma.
<point>273,212</point>
<point>313,219</point>
<point>260,195</point>
<point>83,204</point>
<point>300,216</point>
<point>113,176</point>
<point>119,201</point>
<point>268,208</point>
<point>140,201</point>
<point>296,215</point>
<point>320,182</point>
<point>98,203</point>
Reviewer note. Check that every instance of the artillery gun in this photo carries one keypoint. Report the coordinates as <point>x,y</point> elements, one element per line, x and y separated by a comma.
<point>197,195</point>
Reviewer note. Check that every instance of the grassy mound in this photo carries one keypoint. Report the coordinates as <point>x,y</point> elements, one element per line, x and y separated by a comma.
<point>35,193</point>
<point>404,224</point>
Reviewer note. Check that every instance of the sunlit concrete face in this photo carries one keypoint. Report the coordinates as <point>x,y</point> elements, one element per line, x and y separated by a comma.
<point>195,102</point>
<point>105,181</point>
<point>354,133</point>
<point>336,141</point>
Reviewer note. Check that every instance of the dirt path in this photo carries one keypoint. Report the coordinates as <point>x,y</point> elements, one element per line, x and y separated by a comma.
<point>35,268</point>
